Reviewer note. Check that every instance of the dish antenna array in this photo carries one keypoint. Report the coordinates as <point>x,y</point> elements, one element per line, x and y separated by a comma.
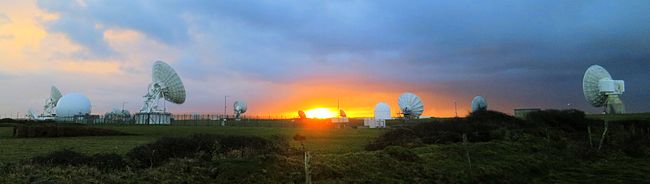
<point>479,104</point>
<point>601,90</point>
<point>240,107</point>
<point>410,105</point>
<point>166,84</point>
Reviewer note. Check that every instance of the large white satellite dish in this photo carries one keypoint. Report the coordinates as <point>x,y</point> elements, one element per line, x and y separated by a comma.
<point>601,90</point>
<point>50,102</point>
<point>382,111</point>
<point>479,104</point>
<point>240,107</point>
<point>166,84</point>
<point>410,105</point>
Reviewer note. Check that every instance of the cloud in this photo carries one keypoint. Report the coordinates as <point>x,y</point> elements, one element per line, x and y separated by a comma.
<point>4,19</point>
<point>515,53</point>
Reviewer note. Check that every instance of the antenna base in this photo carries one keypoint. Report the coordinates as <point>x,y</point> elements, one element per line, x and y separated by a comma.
<point>614,105</point>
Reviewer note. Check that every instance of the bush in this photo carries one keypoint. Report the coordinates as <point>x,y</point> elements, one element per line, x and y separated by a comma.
<point>50,130</point>
<point>567,120</point>
<point>404,137</point>
<point>480,126</point>
<point>205,147</point>
<point>401,153</point>
<point>62,157</point>
<point>68,157</point>
<point>495,119</point>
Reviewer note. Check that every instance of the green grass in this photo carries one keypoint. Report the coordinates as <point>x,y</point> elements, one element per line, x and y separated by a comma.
<point>320,141</point>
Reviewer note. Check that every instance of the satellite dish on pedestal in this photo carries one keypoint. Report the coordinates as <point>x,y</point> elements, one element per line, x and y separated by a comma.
<point>410,105</point>
<point>240,107</point>
<point>166,84</point>
<point>479,104</point>
<point>302,115</point>
<point>50,102</point>
<point>342,114</point>
<point>601,90</point>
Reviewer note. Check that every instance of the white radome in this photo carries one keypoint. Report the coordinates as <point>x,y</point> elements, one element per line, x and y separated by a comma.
<point>382,111</point>
<point>73,104</point>
<point>479,104</point>
<point>410,105</point>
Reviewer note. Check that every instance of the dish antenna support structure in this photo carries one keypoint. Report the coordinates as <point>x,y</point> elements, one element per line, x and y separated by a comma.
<point>302,114</point>
<point>50,103</point>
<point>411,105</point>
<point>166,85</point>
<point>240,107</point>
<point>48,107</point>
<point>601,90</point>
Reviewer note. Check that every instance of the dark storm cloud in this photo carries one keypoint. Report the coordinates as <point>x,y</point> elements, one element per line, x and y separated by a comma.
<point>524,52</point>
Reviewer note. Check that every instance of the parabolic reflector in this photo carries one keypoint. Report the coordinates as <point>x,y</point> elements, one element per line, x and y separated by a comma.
<point>410,105</point>
<point>55,94</point>
<point>590,85</point>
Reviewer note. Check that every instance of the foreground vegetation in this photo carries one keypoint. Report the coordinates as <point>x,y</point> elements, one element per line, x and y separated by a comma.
<point>486,147</point>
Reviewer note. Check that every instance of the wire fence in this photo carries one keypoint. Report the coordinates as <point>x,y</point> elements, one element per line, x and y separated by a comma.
<point>188,120</point>
<point>215,120</point>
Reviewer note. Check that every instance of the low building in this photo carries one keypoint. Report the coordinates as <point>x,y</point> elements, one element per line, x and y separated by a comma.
<point>523,112</point>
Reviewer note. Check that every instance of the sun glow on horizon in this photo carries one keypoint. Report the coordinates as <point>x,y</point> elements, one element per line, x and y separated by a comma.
<point>320,113</point>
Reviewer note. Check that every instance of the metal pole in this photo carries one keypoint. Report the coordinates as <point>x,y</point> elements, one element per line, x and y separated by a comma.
<point>225,99</point>
<point>455,108</point>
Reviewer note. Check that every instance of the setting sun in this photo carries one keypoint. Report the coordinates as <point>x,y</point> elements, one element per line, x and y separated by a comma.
<point>320,113</point>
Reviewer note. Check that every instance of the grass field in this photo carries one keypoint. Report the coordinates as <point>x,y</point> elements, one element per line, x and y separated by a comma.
<point>321,141</point>
<point>494,149</point>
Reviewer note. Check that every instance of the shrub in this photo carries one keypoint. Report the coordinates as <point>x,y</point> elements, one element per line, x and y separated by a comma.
<point>50,130</point>
<point>205,147</point>
<point>405,137</point>
<point>67,157</point>
<point>107,161</point>
<point>401,153</point>
<point>62,157</point>
<point>494,119</point>
<point>567,120</point>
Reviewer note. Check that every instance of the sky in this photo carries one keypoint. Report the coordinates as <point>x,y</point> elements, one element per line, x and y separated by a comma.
<point>281,56</point>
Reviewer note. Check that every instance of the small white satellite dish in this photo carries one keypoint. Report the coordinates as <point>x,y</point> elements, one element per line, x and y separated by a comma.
<point>479,104</point>
<point>50,102</point>
<point>410,105</point>
<point>382,111</point>
<point>240,107</point>
<point>601,90</point>
<point>166,84</point>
